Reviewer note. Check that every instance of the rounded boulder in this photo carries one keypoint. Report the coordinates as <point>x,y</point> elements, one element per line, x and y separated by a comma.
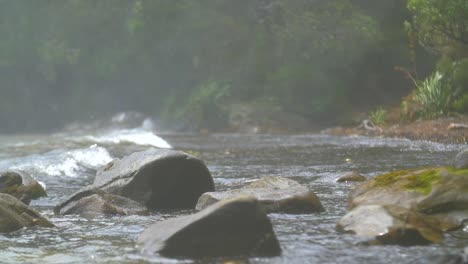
<point>236,227</point>
<point>157,178</point>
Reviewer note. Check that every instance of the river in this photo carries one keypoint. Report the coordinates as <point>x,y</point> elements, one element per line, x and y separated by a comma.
<point>64,162</point>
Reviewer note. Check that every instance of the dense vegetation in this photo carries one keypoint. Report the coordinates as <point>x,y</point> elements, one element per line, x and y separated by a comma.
<point>201,61</point>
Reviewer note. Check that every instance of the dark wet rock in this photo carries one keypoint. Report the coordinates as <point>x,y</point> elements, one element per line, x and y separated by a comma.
<point>95,202</point>
<point>237,227</point>
<point>21,185</point>
<point>15,215</point>
<point>352,177</point>
<point>157,178</point>
<point>275,194</point>
<point>390,224</point>
<point>461,160</point>
<point>441,192</point>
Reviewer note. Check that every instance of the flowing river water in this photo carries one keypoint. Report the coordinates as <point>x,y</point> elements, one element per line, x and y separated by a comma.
<point>67,161</point>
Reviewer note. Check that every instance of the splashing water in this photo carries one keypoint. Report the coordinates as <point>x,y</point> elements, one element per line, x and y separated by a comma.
<point>136,136</point>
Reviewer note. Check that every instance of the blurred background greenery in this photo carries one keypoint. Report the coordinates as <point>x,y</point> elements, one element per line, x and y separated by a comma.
<point>198,62</point>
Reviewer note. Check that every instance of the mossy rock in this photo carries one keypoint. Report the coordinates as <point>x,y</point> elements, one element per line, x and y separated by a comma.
<point>21,185</point>
<point>440,190</point>
<point>391,224</point>
<point>15,215</point>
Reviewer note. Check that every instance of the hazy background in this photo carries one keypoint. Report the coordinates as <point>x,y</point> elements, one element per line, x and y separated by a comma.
<point>197,63</point>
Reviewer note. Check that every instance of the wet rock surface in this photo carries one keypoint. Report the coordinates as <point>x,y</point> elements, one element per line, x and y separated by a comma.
<point>157,178</point>
<point>389,224</point>
<point>97,202</point>
<point>15,215</point>
<point>441,192</point>
<point>21,185</point>
<point>352,177</point>
<point>275,194</point>
<point>237,227</point>
<point>461,160</point>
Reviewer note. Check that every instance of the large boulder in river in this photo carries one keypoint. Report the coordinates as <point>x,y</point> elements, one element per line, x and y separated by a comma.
<point>461,160</point>
<point>15,215</point>
<point>275,194</point>
<point>237,227</point>
<point>390,224</point>
<point>21,185</point>
<point>95,202</point>
<point>157,178</point>
<point>440,192</point>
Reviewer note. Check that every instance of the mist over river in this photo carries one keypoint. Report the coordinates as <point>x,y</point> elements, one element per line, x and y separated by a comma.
<point>65,162</point>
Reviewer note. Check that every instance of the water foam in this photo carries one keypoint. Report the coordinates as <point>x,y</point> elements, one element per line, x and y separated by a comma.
<point>136,136</point>
<point>70,163</point>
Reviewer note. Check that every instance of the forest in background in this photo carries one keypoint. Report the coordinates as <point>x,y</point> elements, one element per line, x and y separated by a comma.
<point>196,63</point>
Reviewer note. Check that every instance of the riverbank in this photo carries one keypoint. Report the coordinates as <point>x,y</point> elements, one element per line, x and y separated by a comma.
<point>447,130</point>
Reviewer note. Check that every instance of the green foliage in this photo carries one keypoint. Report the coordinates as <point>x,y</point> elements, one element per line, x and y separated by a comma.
<point>206,106</point>
<point>72,59</point>
<point>460,104</point>
<point>441,25</point>
<point>378,116</point>
<point>433,95</point>
<point>456,76</point>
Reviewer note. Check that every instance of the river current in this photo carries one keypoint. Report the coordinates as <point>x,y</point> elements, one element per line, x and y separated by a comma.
<point>64,162</point>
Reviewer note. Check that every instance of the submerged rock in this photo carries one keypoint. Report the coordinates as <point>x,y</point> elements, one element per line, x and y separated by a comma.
<point>15,215</point>
<point>390,224</point>
<point>275,194</point>
<point>157,178</point>
<point>97,202</point>
<point>461,160</point>
<point>441,192</point>
<point>352,177</point>
<point>234,227</point>
<point>21,185</point>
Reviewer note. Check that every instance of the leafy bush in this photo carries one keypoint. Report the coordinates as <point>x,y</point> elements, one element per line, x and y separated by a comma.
<point>378,116</point>
<point>205,105</point>
<point>433,95</point>
<point>460,105</point>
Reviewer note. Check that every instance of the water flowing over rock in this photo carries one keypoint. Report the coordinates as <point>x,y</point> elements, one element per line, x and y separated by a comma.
<point>461,160</point>
<point>15,215</point>
<point>97,202</point>
<point>390,224</point>
<point>21,185</point>
<point>237,227</point>
<point>275,194</point>
<point>352,177</point>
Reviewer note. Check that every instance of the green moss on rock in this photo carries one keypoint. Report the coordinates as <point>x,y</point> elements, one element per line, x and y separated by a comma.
<point>422,182</point>
<point>389,178</point>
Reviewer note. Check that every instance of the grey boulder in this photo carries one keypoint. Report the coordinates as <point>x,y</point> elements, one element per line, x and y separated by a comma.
<point>237,227</point>
<point>275,195</point>
<point>157,178</point>
<point>94,202</point>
